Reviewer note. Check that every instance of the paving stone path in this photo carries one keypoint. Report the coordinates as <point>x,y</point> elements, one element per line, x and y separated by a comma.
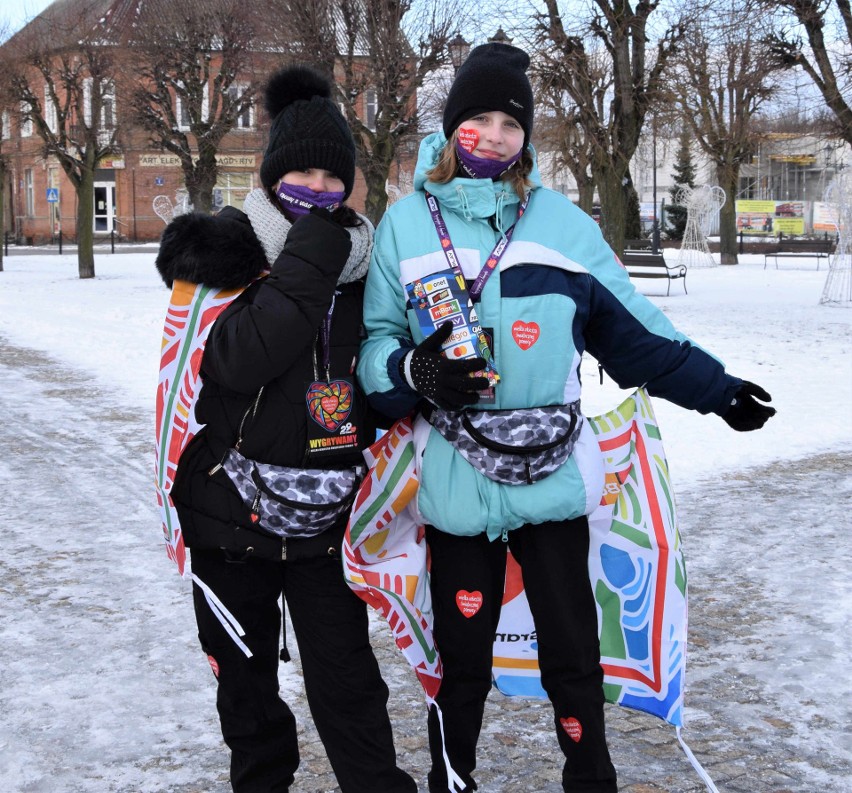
<point>103,688</point>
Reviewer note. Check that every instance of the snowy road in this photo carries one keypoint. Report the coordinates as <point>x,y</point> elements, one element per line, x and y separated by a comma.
<point>103,689</point>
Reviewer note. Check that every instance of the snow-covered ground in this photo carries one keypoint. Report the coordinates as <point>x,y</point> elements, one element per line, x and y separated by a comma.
<point>101,685</point>
<point>767,325</point>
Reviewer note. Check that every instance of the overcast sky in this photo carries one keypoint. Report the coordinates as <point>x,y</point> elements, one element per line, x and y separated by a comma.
<point>15,13</point>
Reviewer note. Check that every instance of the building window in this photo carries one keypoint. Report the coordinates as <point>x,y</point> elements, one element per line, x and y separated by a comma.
<point>29,194</point>
<point>182,109</point>
<point>246,119</point>
<point>106,120</point>
<point>51,117</point>
<point>6,122</point>
<point>748,187</point>
<point>231,190</point>
<point>26,121</point>
<point>371,108</point>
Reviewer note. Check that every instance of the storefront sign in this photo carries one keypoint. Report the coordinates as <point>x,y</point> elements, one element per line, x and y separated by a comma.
<point>236,160</point>
<point>159,160</point>
<point>116,163</point>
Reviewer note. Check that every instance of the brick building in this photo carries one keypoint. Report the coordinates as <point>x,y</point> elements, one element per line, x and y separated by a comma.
<point>40,200</point>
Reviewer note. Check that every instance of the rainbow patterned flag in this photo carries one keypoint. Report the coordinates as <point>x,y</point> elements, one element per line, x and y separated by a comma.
<point>384,551</point>
<point>191,313</point>
<point>636,567</point>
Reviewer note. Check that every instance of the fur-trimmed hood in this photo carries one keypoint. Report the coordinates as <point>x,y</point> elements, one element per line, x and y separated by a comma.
<point>221,250</point>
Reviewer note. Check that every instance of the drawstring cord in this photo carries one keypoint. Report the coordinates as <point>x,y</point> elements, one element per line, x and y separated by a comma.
<point>465,204</point>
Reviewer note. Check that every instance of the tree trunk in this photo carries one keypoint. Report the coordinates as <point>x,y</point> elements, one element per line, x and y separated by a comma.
<point>586,192</point>
<point>200,180</point>
<point>2,210</point>
<point>728,175</point>
<point>613,209</point>
<point>85,223</point>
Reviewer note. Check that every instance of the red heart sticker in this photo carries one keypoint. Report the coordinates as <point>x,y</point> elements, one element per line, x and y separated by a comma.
<point>468,139</point>
<point>525,334</point>
<point>329,403</point>
<point>573,728</point>
<point>468,602</point>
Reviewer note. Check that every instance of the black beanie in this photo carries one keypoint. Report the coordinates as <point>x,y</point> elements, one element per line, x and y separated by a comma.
<point>308,130</point>
<point>492,78</point>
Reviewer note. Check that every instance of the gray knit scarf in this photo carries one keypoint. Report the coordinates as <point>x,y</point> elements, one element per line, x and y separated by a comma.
<point>271,228</point>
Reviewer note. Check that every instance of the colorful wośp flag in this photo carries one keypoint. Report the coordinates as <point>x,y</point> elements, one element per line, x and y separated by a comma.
<point>191,313</point>
<point>636,567</point>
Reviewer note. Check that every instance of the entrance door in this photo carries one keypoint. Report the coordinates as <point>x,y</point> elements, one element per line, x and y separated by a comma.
<point>104,207</point>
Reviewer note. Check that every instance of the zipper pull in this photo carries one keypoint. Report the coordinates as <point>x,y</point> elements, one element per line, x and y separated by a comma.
<point>255,507</point>
<point>600,373</point>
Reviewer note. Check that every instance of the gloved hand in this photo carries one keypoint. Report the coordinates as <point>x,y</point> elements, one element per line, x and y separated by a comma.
<point>446,383</point>
<point>318,240</point>
<point>746,413</point>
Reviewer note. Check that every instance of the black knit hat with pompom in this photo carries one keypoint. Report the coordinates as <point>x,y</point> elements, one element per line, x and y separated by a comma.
<point>308,130</point>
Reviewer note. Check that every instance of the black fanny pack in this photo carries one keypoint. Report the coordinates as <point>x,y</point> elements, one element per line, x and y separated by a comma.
<point>513,447</point>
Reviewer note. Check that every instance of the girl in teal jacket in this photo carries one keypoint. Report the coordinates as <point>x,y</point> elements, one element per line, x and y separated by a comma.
<point>504,455</point>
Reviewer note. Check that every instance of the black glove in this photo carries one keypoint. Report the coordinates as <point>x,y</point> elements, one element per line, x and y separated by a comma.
<point>446,383</point>
<point>317,240</point>
<point>746,413</point>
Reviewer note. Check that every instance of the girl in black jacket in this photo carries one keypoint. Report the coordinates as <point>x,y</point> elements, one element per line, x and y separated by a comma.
<point>278,373</point>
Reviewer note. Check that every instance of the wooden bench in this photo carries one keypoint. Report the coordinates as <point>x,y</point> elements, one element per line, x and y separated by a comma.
<point>800,248</point>
<point>643,264</point>
<point>637,245</point>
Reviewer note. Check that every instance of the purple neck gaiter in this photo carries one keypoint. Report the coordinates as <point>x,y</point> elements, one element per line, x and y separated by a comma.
<point>301,200</point>
<point>482,167</point>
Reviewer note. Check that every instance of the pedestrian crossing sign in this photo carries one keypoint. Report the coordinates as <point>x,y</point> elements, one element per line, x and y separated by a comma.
<point>52,195</point>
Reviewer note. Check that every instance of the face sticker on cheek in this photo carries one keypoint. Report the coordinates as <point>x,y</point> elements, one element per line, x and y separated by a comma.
<point>468,139</point>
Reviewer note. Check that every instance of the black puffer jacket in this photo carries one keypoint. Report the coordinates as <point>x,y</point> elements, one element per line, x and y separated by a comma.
<point>267,337</point>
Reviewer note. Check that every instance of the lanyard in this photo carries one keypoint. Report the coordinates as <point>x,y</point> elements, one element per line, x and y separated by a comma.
<point>325,339</point>
<point>450,252</point>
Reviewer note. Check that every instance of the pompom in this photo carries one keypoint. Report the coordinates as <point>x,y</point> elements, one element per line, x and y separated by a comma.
<point>291,84</point>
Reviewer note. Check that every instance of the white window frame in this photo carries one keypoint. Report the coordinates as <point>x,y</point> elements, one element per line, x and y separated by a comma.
<point>26,121</point>
<point>205,108</point>
<point>6,121</point>
<point>107,92</point>
<point>371,108</point>
<point>246,119</point>
<point>51,116</point>
<point>29,192</point>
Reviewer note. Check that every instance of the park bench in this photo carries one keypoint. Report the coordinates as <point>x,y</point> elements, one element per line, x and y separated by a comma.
<point>637,245</point>
<point>800,248</point>
<point>644,264</point>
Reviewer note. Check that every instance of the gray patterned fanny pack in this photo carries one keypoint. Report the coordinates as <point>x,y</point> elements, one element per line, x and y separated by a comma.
<point>513,447</point>
<point>293,502</point>
<point>285,501</point>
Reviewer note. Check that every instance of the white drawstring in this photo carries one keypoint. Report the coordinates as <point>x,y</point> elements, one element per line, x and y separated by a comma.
<point>229,621</point>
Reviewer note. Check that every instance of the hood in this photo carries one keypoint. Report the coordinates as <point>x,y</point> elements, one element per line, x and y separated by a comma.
<point>221,250</point>
<point>471,198</point>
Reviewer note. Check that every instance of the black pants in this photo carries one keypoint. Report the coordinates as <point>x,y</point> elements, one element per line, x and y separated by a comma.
<point>554,560</point>
<point>345,691</point>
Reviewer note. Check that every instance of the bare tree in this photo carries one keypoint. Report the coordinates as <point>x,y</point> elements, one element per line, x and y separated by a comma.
<point>725,75</point>
<point>380,53</point>
<point>612,120</point>
<point>559,127</point>
<point>827,57</point>
<point>193,79</point>
<point>62,75</point>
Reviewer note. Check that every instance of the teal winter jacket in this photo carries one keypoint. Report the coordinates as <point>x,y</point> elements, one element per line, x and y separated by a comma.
<point>559,291</point>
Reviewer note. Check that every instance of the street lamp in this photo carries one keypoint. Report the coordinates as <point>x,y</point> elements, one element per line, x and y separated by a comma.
<point>459,50</point>
<point>500,37</point>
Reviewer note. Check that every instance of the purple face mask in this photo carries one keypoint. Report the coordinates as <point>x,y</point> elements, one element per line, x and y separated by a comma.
<point>300,200</point>
<point>482,167</point>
